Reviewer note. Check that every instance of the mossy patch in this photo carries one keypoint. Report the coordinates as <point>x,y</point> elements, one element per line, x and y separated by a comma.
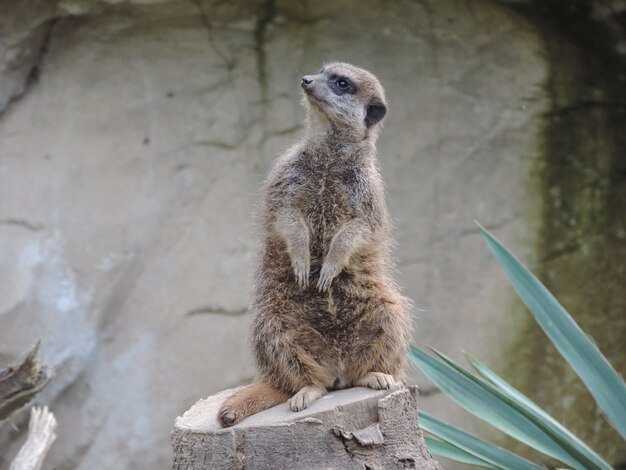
<point>581,246</point>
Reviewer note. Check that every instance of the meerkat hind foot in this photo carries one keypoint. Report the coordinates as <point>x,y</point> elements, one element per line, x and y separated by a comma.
<point>227,418</point>
<point>376,380</point>
<point>307,395</point>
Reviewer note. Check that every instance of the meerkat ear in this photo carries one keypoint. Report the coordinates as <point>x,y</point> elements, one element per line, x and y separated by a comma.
<point>374,112</point>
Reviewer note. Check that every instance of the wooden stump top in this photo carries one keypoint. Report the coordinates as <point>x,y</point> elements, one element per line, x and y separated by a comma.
<point>357,428</point>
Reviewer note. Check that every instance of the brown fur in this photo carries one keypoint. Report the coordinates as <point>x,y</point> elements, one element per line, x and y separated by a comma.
<point>327,314</point>
<point>250,400</point>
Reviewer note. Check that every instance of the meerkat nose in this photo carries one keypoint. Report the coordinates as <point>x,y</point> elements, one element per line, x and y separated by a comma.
<point>306,81</point>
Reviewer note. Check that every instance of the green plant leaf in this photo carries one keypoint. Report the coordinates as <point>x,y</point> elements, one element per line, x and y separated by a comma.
<point>576,447</point>
<point>606,386</point>
<point>495,456</point>
<point>485,401</point>
<point>444,449</point>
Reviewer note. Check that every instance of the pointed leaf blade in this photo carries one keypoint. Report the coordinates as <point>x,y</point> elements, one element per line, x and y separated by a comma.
<point>600,378</point>
<point>566,438</point>
<point>446,450</point>
<point>486,402</point>
<point>483,450</point>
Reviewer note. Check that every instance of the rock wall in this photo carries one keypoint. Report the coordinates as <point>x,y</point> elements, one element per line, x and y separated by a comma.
<point>581,184</point>
<point>133,138</point>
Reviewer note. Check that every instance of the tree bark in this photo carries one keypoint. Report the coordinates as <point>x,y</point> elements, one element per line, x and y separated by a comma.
<point>356,428</point>
<point>21,382</point>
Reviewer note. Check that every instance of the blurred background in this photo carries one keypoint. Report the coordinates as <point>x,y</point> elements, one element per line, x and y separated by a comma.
<point>134,136</point>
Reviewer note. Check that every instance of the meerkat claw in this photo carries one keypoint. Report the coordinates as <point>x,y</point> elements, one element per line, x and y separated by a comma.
<point>326,278</point>
<point>227,418</point>
<point>376,381</point>
<point>301,271</point>
<point>307,395</point>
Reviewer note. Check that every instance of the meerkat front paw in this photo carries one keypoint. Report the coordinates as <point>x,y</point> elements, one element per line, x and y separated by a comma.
<point>376,380</point>
<point>301,269</point>
<point>307,395</point>
<point>329,272</point>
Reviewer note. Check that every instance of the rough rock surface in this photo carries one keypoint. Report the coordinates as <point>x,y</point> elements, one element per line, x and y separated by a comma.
<point>350,429</point>
<point>128,175</point>
<point>133,137</point>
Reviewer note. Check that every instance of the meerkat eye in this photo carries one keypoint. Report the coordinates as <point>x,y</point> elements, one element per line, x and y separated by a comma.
<point>343,84</point>
<point>340,85</point>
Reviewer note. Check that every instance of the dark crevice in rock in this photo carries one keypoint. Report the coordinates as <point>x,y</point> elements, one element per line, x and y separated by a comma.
<point>215,143</point>
<point>491,227</point>
<point>586,105</point>
<point>267,14</point>
<point>229,63</point>
<point>407,463</point>
<point>473,230</point>
<point>346,446</point>
<point>34,74</point>
<point>566,250</point>
<point>33,227</point>
<point>240,453</point>
<point>217,311</point>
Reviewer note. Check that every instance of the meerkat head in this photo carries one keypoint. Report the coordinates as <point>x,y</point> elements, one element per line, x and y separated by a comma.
<point>345,98</point>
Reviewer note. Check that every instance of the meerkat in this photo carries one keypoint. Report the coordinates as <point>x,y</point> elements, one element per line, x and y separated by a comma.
<point>327,313</point>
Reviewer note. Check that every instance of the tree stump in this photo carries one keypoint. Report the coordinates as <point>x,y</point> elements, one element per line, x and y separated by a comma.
<point>357,428</point>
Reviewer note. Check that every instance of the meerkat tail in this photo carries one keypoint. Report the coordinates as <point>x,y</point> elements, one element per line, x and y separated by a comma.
<point>250,400</point>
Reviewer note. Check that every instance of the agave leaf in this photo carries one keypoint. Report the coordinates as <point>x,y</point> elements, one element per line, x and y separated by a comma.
<point>560,433</point>
<point>485,401</point>
<point>606,386</point>
<point>449,451</point>
<point>494,456</point>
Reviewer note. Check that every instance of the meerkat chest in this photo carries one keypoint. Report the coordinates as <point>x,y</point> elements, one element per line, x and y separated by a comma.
<point>330,194</point>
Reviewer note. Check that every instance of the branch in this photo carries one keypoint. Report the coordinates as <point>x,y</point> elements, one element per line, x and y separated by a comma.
<point>20,383</point>
<point>41,435</point>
